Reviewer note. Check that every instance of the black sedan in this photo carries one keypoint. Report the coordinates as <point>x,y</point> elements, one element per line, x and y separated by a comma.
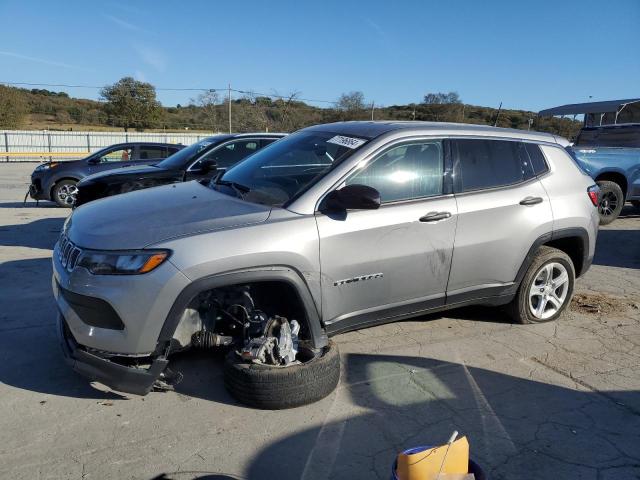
<point>199,161</point>
<point>57,181</point>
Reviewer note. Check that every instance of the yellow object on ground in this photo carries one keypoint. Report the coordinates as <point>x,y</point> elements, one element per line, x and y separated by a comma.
<point>425,465</point>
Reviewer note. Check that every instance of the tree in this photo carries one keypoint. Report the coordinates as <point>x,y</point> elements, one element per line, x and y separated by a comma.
<point>131,104</point>
<point>351,105</point>
<point>13,108</point>
<point>442,98</point>
<point>209,102</point>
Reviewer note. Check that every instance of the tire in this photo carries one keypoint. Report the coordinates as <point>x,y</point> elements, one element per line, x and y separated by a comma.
<point>64,193</point>
<point>276,388</point>
<point>611,201</point>
<point>521,309</point>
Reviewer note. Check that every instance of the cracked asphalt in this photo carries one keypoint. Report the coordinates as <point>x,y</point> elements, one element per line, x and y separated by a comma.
<point>551,401</point>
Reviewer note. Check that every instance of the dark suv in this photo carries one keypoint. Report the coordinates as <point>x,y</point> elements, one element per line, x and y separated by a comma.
<point>199,161</point>
<point>56,181</point>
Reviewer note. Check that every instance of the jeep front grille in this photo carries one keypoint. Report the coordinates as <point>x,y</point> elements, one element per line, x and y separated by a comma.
<point>68,253</point>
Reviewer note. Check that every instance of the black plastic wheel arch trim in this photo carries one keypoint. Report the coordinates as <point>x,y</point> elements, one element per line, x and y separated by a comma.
<point>261,274</point>
<point>578,232</point>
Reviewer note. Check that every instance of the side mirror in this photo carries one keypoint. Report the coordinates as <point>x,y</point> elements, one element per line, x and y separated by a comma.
<point>208,165</point>
<point>93,160</point>
<point>351,197</point>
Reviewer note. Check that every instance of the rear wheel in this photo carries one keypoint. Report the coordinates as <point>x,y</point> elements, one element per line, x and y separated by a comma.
<point>64,193</point>
<point>611,201</point>
<point>546,289</point>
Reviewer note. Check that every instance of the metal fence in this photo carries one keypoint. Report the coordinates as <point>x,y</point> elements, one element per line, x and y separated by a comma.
<point>39,146</point>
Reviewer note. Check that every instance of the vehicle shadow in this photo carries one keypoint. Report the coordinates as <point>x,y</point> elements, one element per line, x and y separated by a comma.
<point>42,233</point>
<point>30,356</point>
<point>618,248</point>
<point>517,428</point>
<point>629,211</point>
<point>29,204</point>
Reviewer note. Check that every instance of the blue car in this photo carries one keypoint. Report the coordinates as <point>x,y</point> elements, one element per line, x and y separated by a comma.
<point>608,149</point>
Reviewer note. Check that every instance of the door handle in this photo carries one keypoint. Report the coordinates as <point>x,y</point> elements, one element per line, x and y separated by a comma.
<point>531,200</point>
<point>435,216</point>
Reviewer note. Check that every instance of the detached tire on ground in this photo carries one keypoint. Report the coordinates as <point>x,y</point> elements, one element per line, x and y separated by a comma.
<point>546,289</point>
<point>611,201</point>
<point>275,388</point>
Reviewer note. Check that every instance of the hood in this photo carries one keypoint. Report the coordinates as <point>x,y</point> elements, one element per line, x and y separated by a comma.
<point>146,217</point>
<point>135,170</point>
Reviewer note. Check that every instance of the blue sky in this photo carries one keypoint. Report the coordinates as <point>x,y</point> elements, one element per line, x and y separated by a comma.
<point>527,54</point>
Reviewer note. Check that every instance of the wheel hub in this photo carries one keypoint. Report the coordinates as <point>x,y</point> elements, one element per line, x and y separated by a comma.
<point>548,291</point>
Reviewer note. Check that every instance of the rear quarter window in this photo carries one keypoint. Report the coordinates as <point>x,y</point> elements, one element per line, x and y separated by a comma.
<point>538,162</point>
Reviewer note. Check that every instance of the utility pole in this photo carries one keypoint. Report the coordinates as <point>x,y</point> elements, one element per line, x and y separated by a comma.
<point>373,105</point>
<point>229,108</point>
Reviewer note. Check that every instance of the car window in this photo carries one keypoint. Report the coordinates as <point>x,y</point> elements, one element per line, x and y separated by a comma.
<point>173,150</point>
<point>119,155</point>
<point>151,152</point>
<point>266,141</point>
<point>537,159</point>
<point>405,172</point>
<point>280,172</point>
<point>488,163</point>
<point>231,153</point>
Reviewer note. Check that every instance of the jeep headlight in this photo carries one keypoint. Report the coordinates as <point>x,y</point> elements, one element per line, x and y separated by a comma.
<point>122,263</point>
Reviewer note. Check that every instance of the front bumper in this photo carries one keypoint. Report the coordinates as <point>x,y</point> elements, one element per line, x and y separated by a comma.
<point>128,379</point>
<point>36,190</point>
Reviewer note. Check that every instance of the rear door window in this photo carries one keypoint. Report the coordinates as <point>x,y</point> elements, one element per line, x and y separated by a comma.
<point>152,152</point>
<point>483,164</point>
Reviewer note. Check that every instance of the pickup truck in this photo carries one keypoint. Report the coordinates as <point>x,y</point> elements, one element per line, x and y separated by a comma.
<point>608,149</point>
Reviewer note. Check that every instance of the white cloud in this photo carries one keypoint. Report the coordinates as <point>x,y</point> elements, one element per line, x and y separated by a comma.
<point>151,56</point>
<point>121,23</point>
<point>43,61</point>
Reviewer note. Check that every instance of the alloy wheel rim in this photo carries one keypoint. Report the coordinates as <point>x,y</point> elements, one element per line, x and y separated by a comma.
<point>608,204</point>
<point>548,291</point>
<point>67,193</point>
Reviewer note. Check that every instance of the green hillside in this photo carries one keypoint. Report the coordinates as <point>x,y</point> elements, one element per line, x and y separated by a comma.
<point>44,109</point>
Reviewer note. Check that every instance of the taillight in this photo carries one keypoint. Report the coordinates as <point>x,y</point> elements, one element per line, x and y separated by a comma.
<point>594,194</point>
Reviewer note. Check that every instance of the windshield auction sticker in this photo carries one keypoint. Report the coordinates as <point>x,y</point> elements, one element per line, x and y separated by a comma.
<point>348,142</point>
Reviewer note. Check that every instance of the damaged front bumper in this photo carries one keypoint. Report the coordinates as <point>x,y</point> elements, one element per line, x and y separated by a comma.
<point>124,378</point>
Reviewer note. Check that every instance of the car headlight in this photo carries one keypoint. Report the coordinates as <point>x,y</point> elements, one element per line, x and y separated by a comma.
<point>122,263</point>
<point>46,166</point>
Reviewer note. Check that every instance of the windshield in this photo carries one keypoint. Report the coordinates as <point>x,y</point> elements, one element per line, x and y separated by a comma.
<point>181,159</point>
<point>278,173</point>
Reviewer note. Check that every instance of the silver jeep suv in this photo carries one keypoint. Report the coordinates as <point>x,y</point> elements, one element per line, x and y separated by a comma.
<point>333,228</point>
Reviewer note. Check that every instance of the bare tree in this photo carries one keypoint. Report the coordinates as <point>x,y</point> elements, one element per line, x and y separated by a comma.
<point>441,98</point>
<point>209,101</point>
<point>352,105</point>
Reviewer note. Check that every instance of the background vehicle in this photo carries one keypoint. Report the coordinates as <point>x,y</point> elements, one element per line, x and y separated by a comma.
<point>608,149</point>
<point>199,161</point>
<point>333,228</point>
<point>57,181</point>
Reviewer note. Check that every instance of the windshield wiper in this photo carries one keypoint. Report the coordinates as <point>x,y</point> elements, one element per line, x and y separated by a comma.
<point>240,189</point>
